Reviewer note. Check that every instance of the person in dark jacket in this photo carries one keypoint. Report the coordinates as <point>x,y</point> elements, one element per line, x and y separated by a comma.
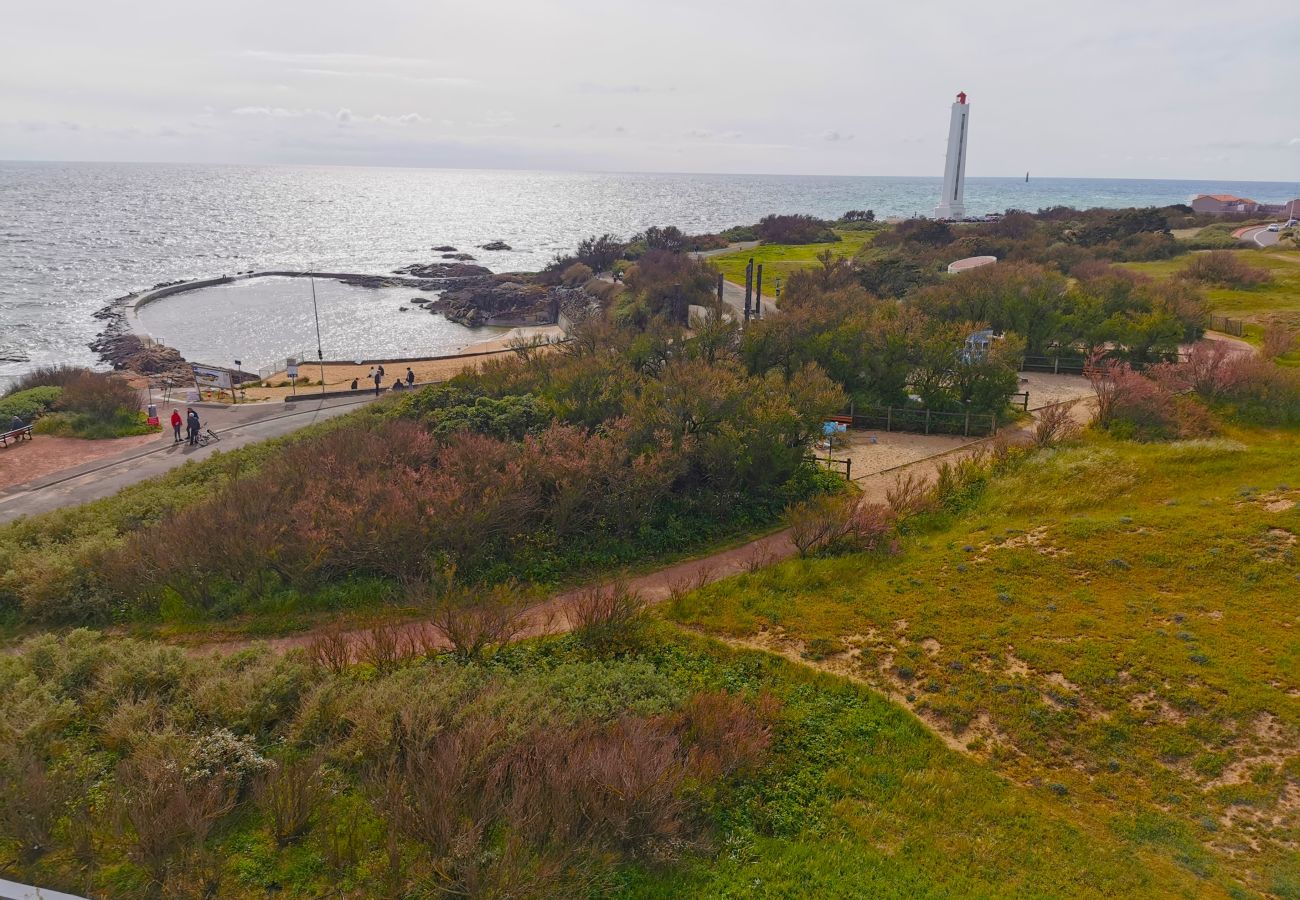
<point>379,377</point>
<point>192,425</point>
<point>410,377</point>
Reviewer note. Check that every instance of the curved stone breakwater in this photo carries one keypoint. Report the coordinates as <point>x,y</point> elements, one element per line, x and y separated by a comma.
<point>470,295</point>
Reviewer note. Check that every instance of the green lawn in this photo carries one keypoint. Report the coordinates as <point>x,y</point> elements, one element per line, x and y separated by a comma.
<point>1112,625</point>
<point>783,259</point>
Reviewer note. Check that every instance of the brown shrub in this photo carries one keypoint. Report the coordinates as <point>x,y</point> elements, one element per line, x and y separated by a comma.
<point>473,622</point>
<point>330,649</point>
<point>815,523</point>
<point>98,395</point>
<point>725,734</point>
<point>840,524</point>
<point>1279,340</point>
<point>163,811</point>
<point>31,801</point>
<point>288,795</point>
<point>384,648</point>
<point>1055,423</point>
<point>911,494</point>
<point>607,617</point>
<point>1225,268</point>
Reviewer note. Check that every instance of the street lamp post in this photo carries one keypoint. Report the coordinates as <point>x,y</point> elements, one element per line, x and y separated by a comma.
<point>320,353</point>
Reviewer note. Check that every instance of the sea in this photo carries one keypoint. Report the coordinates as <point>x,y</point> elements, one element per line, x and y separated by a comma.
<point>74,236</point>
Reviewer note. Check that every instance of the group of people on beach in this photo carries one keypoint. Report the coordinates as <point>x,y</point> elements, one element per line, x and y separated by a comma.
<point>376,375</point>
<point>192,426</point>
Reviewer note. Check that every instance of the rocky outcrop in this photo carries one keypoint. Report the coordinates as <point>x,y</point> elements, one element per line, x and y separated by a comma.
<point>495,300</point>
<point>496,245</point>
<point>442,270</point>
<point>445,248</point>
<point>462,257</point>
<point>131,353</point>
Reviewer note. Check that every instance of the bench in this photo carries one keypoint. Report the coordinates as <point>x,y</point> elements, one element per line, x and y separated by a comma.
<point>18,434</point>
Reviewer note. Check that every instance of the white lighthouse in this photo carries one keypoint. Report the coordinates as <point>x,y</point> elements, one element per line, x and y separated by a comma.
<point>952,205</point>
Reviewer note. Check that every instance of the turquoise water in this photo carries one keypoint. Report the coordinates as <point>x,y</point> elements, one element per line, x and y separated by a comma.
<point>75,235</point>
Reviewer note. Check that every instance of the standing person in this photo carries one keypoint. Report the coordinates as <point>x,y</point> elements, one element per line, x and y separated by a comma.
<point>410,377</point>
<point>192,425</point>
<point>379,377</point>
<point>176,426</point>
<point>380,370</point>
<point>370,376</point>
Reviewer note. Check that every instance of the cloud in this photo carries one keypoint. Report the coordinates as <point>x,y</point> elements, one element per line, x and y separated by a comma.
<point>344,116</point>
<point>1294,142</point>
<point>836,136</point>
<point>276,112</point>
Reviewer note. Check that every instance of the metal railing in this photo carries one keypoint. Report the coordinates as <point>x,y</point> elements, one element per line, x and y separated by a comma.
<point>924,421</point>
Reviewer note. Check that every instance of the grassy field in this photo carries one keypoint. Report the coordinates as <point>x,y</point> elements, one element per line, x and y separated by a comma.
<point>783,259</point>
<point>1279,298</point>
<point>1111,627</point>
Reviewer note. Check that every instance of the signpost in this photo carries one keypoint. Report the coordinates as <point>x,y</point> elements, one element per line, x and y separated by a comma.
<point>206,376</point>
<point>291,369</point>
<point>830,429</point>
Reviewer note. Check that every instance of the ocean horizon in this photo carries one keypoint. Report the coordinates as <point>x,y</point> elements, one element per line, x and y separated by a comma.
<point>74,236</point>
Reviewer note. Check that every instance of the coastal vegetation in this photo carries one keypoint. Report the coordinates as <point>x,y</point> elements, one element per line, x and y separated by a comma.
<point>75,402</point>
<point>1058,665</point>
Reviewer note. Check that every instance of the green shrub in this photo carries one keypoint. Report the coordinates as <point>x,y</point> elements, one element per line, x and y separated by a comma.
<point>28,404</point>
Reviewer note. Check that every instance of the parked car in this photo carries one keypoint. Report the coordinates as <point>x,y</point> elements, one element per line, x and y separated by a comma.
<point>1293,223</point>
<point>1275,227</point>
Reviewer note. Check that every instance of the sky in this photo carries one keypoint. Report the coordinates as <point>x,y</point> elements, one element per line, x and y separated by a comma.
<point>1150,89</point>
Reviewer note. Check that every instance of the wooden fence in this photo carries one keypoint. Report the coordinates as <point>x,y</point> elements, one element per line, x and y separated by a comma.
<point>840,466</point>
<point>1227,326</point>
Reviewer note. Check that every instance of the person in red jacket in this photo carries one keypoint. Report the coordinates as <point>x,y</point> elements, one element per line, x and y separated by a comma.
<point>176,426</point>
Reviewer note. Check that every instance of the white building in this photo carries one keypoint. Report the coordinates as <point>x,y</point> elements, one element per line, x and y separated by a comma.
<point>952,205</point>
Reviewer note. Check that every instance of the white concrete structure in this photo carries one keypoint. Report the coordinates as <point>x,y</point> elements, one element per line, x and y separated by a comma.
<point>952,205</point>
<point>970,262</point>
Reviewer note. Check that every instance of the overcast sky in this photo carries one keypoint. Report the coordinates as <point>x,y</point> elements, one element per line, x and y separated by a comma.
<point>1187,89</point>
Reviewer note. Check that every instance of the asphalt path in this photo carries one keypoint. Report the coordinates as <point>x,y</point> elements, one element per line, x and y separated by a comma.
<point>237,426</point>
<point>1260,236</point>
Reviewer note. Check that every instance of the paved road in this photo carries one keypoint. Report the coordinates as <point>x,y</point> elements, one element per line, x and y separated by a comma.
<point>236,425</point>
<point>1260,236</point>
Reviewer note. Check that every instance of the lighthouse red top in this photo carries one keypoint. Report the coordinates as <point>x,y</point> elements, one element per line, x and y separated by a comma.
<point>961,97</point>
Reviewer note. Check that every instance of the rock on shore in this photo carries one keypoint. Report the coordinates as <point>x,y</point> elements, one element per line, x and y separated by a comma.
<point>442,270</point>
<point>496,245</point>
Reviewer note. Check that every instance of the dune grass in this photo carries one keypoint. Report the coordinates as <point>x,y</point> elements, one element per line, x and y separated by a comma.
<point>784,259</point>
<point>1112,624</point>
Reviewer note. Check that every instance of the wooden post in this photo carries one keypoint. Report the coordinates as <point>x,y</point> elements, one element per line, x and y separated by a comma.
<point>848,469</point>
<point>749,287</point>
<point>966,432</point>
<point>720,288</point>
<point>927,420</point>
<point>1056,366</point>
<point>889,416</point>
<point>758,293</point>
